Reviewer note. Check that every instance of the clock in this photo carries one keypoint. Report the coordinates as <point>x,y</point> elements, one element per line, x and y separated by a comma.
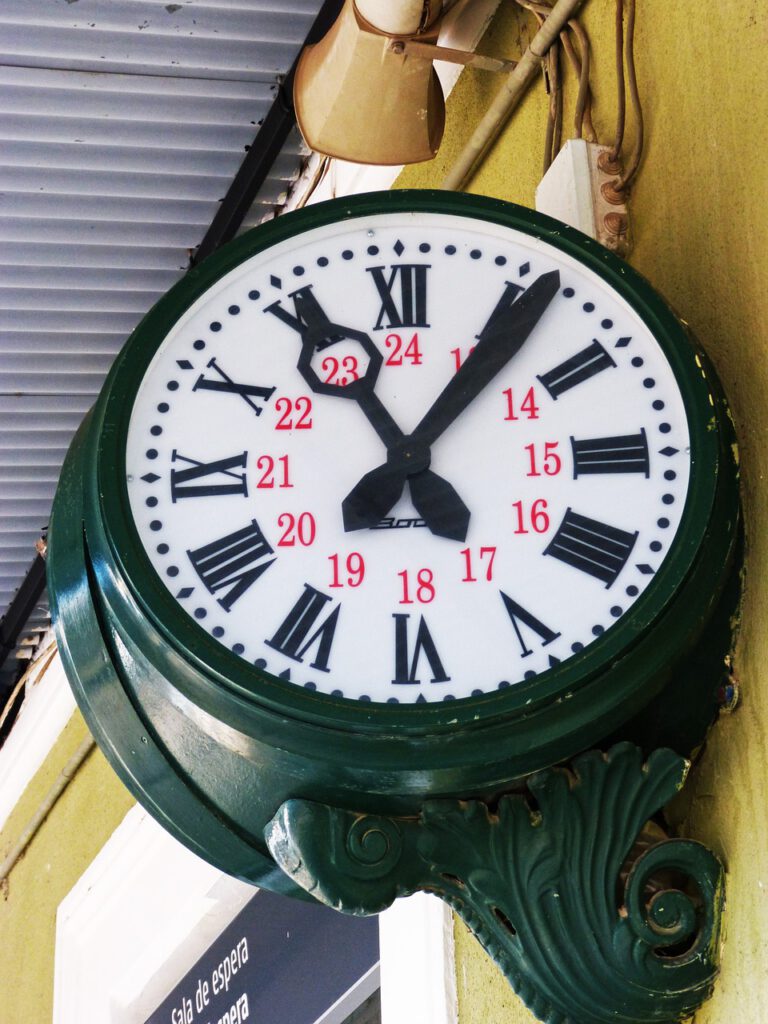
<point>402,495</point>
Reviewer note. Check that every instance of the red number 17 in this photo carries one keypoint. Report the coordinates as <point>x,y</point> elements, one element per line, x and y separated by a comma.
<point>485,553</point>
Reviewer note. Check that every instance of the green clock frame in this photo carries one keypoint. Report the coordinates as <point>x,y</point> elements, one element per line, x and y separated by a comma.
<point>217,749</point>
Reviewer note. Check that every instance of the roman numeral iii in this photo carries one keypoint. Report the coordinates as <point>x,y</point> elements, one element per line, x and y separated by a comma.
<point>625,454</point>
<point>403,295</point>
<point>233,563</point>
<point>592,547</point>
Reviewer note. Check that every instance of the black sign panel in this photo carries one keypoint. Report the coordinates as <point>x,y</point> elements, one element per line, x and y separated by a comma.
<point>281,961</point>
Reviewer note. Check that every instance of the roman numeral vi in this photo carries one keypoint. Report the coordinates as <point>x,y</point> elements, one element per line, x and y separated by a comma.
<point>406,669</point>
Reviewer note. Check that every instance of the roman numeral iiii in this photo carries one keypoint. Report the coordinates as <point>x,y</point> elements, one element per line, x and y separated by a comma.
<point>591,547</point>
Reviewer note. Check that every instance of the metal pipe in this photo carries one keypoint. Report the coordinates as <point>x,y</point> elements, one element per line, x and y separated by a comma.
<point>45,807</point>
<point>509,95</point>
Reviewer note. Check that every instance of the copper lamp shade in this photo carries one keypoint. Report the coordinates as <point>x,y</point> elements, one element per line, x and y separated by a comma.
<point>357,98</point>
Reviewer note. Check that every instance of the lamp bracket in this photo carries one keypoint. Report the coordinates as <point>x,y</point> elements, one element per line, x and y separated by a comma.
<point>565,884</point>
<point>430,51</point>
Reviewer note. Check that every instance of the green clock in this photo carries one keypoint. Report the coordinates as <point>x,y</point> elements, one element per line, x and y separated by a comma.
<point>401,496</point>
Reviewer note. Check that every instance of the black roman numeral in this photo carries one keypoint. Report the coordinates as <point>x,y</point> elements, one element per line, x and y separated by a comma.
<point>578,368</point>
<point>409,307</point>
<point>592,547</point>
<point>405,670</point>
<point>233,563</point>
<point>501,309</point>
<point>307,313</point>
<point>226,384</point>
<point>519,615</point>
<point>627,453</point>
<point>183,481</point>
<point>295,636</point>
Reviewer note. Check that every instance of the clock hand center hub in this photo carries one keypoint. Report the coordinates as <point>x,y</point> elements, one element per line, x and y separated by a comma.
<point>410,456</point>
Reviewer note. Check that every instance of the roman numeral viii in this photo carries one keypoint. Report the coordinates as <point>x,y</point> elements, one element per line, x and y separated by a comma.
<point>233,563</point>
<point>403,295</point>
<point>208,479</point>
<point>625,454</point>
<point>303,628</point>
<point>407,667</point>
<point>592,547</point>
<point>585,364</point>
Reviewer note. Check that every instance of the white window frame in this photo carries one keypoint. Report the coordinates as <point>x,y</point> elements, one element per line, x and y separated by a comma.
<point>147,908</point>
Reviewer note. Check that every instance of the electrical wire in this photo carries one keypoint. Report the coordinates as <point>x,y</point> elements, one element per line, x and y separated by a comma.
<point>582,117</point>
<point>620,87</point>
<point>637,108</point>
<point>581,66</point>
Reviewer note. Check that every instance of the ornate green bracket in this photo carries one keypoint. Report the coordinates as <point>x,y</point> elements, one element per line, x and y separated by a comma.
<point>589,922</point>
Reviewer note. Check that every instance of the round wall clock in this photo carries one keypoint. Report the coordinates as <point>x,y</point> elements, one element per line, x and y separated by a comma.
<point>398,496</point>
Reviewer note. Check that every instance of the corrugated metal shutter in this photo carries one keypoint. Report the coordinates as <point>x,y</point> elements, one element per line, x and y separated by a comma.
<point>122,123</point>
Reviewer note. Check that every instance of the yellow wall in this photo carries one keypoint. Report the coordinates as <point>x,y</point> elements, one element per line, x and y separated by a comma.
<point>700,224</point>
<point>90,809</point>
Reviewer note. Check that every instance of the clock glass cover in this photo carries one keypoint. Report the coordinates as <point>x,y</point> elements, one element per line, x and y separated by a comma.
<point>408,457</point>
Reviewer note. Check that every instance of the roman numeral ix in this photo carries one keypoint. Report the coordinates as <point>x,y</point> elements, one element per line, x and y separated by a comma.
<point>187,483</point>
<point>232,563</point>
<point>403,295</point>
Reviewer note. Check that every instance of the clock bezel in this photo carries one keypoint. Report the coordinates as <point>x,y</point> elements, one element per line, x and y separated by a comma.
<point>225,672</point>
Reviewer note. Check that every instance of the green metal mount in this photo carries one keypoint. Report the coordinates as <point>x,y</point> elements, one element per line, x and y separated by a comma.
<point>591,920</point>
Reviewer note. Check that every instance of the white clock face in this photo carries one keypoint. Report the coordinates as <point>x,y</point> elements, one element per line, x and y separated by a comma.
<point>335,491</point>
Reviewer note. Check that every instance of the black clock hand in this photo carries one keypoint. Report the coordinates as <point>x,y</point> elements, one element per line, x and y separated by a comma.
<point>436,501</point>
<point>501,338</point>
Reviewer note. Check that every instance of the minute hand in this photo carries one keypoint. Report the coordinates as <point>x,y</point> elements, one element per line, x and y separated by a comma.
<point>501,338</point>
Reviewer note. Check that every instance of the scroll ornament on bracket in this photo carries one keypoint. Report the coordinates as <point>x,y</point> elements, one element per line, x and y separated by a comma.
<point>588,924</point>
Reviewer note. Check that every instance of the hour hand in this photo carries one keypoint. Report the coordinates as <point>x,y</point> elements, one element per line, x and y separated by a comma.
<point>367,504</point>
